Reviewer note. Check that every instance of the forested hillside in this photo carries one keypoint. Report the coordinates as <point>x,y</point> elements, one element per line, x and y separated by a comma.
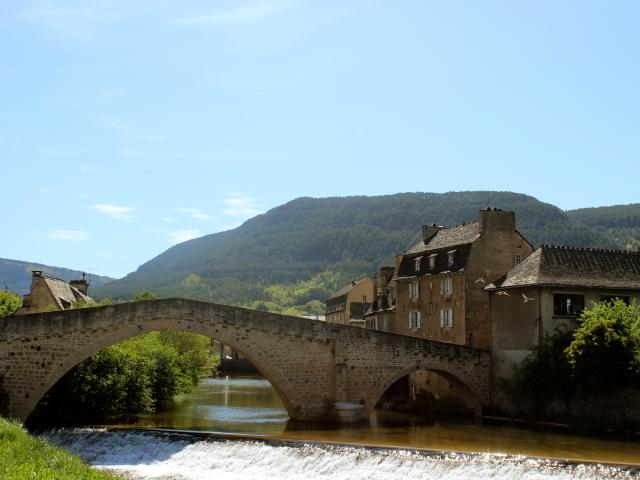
<point>16,275</point>
<point>296,254</point>
<point>620,222</point>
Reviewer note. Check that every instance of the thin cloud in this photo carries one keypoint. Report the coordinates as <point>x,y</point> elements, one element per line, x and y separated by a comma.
<point>240,205</point>
<point>68,235</point>
<point>242,15</point>
<point>179,236</point>
<point>194,212</point>
<point>114,211</point>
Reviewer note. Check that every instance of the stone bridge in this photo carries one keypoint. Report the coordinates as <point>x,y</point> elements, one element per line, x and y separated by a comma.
<point>319,370</point>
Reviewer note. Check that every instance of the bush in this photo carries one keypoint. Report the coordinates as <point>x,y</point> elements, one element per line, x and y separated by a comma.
<point>139,375</point>
<point>605,352</point>
<point>9,303</point>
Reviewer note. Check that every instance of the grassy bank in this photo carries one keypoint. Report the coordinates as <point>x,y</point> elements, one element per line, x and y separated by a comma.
<point>23,456</point>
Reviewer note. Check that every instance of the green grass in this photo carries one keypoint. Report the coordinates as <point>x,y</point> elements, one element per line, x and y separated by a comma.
<point>25,457</point>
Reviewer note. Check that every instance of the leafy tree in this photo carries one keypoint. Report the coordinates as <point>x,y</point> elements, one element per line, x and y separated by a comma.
<point>605,352</point>
<point>144,295</point>
<point>545,374</point>
<point>9,303</point>
<point>139,375</point>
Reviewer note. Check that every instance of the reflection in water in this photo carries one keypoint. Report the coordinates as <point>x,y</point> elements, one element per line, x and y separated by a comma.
<point>249,405</point>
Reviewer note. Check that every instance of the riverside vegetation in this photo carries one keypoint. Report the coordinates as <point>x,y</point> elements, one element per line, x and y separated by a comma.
<point>23,456</point>
<point>589,377</point>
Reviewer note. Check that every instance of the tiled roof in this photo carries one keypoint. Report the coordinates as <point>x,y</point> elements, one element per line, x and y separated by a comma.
<point>448,237</point>
<point>407,266</point>
<point>575,267</point>
<point>65,294</point>
<point>347,288</point>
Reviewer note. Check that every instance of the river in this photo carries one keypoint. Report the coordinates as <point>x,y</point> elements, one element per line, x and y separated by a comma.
<point>392,445</point>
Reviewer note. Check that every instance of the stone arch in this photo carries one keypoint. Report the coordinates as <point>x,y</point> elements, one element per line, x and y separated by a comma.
<point>131,329</point>
<point>448,373</point>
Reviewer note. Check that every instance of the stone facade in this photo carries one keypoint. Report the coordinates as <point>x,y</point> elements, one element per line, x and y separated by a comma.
<point>442,279</point>
<point>314,366</point>
<point>348,305</point>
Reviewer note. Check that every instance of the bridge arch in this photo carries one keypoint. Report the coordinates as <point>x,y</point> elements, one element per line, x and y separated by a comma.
<point>452,376</point>
<point>261,361</point>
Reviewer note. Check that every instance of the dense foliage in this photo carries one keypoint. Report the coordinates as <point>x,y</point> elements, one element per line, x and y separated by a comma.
<point>604,354</point>
<point>23,456</point>
<point>139,375</point>
<point>621,223</point>
<point>601,357</point>
<point>318,240</point>
<point>9,303</point>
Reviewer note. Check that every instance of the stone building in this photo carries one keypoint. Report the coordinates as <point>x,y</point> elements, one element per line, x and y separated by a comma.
<point>439,282</point>
<point>381,313</point>
<point>48,293</point>
<point>549,289</point>
<point>349,304</point>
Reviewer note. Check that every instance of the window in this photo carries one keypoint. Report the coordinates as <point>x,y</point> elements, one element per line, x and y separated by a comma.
<point>431,309</point>
<point>414,319</point>
<point>450,257</point>
<point>417,263</point>
<point>611,298</point>
<point>446,286</point>
<point>517,259</point>
<point>432,261</point>
<point>568,305</point>
<point>364,299</point>
<point>414,290</point>
<point>430,285</point>
<point>446,318</point>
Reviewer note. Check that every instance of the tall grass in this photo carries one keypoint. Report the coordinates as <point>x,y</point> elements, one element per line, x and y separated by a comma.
<point>23,456</point>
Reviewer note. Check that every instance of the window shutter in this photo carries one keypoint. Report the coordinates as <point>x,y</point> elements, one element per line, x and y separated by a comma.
<point>441,287</point>
<point>441,318</point>
<point>417,289</point>
<point>417,319</point>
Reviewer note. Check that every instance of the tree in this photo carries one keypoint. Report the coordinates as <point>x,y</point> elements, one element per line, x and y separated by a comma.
<point>605,352</point>
<point>9,303</point>
<point>144,295</point>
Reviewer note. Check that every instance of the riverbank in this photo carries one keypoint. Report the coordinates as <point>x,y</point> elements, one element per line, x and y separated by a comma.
<point>23,456</point>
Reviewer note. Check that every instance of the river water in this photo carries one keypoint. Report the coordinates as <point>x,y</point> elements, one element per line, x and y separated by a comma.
<point>392,445</point>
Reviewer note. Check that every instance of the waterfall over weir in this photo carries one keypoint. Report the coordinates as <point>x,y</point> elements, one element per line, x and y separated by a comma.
<point>146,455</point>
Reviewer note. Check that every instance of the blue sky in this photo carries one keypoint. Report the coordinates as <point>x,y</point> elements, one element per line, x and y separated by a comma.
<point>126,127</point>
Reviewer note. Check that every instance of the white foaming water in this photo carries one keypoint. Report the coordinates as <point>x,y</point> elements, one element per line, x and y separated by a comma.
<point>167,456</point>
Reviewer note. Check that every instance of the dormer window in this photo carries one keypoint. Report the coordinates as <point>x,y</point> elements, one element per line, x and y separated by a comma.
<point>416,264</point>
<point>450,257</point>
<point>517,259</point>
<point>432,261</point>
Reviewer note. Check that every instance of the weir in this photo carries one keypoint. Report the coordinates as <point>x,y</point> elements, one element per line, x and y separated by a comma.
<point>321,371</point>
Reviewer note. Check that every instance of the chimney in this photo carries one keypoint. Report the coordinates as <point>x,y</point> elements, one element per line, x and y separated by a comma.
<point>428,231</point>
<point>496,220</point>
<point>81,285</point>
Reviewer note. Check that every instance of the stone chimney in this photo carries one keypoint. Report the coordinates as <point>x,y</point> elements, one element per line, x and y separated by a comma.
<point>81,285</point>
<point>428,231</point>
<point>496,220</point>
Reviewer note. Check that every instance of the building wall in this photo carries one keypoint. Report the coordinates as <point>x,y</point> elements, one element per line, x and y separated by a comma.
<point>364,290</point>
<point>515,324</point>
<point>492,255</point>
<point>430,293</point>
<point>41,298</point>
